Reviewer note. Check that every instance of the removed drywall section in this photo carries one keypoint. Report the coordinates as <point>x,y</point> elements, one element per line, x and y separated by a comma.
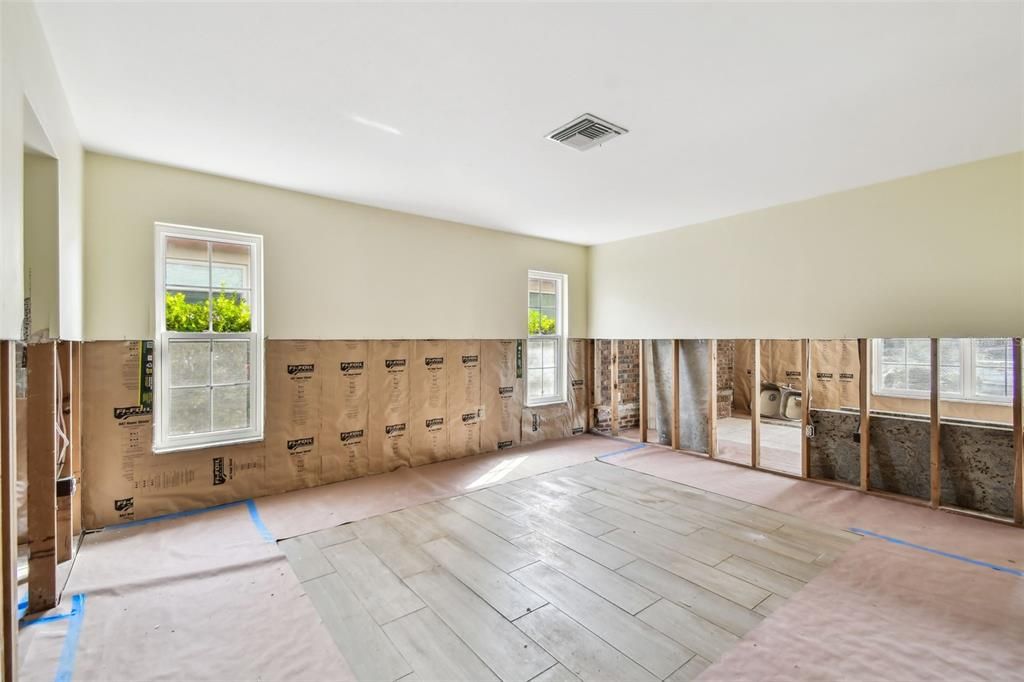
<point>389,271</point>
<point>977,467</point>
<point>658,358</point>
<point>694,394</point>
<point>726,351</point>
<point>835,448</point>
<point>628,382</point>
<point>831,267</point>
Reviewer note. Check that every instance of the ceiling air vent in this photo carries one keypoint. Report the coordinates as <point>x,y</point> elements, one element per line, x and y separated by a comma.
<point>585,132</point>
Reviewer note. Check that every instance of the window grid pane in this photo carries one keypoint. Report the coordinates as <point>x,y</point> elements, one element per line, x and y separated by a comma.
<point>969,369</point>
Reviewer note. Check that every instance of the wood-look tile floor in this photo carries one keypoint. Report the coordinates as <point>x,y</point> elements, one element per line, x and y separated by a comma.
<point>591,572</point>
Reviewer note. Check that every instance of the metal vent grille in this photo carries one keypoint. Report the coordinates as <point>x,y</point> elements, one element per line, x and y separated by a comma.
<point>585,132</point>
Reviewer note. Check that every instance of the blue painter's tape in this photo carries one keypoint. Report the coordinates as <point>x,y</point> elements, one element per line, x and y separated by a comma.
<point>169,517</point>
<point>257,521</point>
<point>75,608</point>
<point>896,541</point>
<point>22,608</point>
<point>66,665</point>
<point>638,446</point>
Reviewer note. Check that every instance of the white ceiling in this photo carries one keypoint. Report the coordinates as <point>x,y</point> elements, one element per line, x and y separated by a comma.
<point>442,110</point>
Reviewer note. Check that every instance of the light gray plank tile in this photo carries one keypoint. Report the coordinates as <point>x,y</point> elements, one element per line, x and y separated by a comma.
<point>332,536</point>
<point>770,604</point>
<point>499,552</point>
<point>500,525</point>
<point>396,551</point>
<point>582,652</point>
<point>433,650</point>
<point>689,545</point>
<point>800,570</point>
<point>684,626</point>
<point>766,578</point>
<point>756,537</point>
<point>587,545</point>
<point>814,540</point>
<point>691,670</point>
<point>546,500</point>
<point>723,584</point>
<point>383,595</point>
<point>560,484</point>
<point>556,673</point>
<point>506,651</point>
<point>575,519</point>
<point>366,648</point>
<point>305,558</point>
<point>619,490</point>
<point>503,592</point>
<point>645,645</point>
<point>705,603</point>
<point>497,502</point>
<point>620,591</point>
<point>417,524</point>
<point>658,518</point>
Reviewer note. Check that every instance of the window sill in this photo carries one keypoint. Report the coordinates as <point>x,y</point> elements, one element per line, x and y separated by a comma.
<point>168,449</point>
<point>548,403</point>
<point>926,397</point>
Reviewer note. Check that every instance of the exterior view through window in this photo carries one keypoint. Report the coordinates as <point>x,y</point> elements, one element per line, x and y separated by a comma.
<point>979,370</point>
<point>208,354</point>
<point>545,345</point>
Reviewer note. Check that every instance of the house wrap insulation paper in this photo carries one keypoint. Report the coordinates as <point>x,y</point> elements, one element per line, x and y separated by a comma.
<point>429,394</point>
<point>344,408</point>
<point>335,410</point>
<point>293,383</point>
<point>464,406</point>
<point>501,394</point>
<point>389,405</point>
<point>835,370</point>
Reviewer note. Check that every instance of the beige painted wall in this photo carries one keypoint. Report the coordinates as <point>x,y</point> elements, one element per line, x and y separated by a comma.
<point>938,254</point>
<point>34,110</point>
<point>41,246</point>
<point>332,269</point>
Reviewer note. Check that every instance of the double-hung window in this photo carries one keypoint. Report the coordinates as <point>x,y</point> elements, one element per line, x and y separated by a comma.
<point>208,354</point>
<point>979,370</point>
<point>545,346</point>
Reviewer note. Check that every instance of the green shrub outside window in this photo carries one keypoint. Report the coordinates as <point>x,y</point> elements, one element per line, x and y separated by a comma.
<point>230,314</point>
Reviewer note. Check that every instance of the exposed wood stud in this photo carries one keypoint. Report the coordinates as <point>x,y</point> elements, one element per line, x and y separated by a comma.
<point>64,534</point>
<point>755,407</point>
<point>864,351</point>
<point>42,475</point>
<point>936,429</point>
<point>613,383</point>
<point>594,384</point>
<point>675,394</point>
<point>643,391</point>
<point>1018,435</point>
<point>805,408</point>
<point>713,404</point>
<point>76,435</point>
<point>8,512</point>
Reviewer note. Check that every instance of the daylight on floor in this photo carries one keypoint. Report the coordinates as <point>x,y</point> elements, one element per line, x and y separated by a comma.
<point>531,342</point>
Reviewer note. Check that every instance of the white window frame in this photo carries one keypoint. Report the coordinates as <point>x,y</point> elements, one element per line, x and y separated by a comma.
<point>561,281</point>
<point>967,379</point>
<point>162,441</point>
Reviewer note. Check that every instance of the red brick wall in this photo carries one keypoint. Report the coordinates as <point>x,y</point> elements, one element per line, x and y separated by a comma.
<point>628,384</point>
